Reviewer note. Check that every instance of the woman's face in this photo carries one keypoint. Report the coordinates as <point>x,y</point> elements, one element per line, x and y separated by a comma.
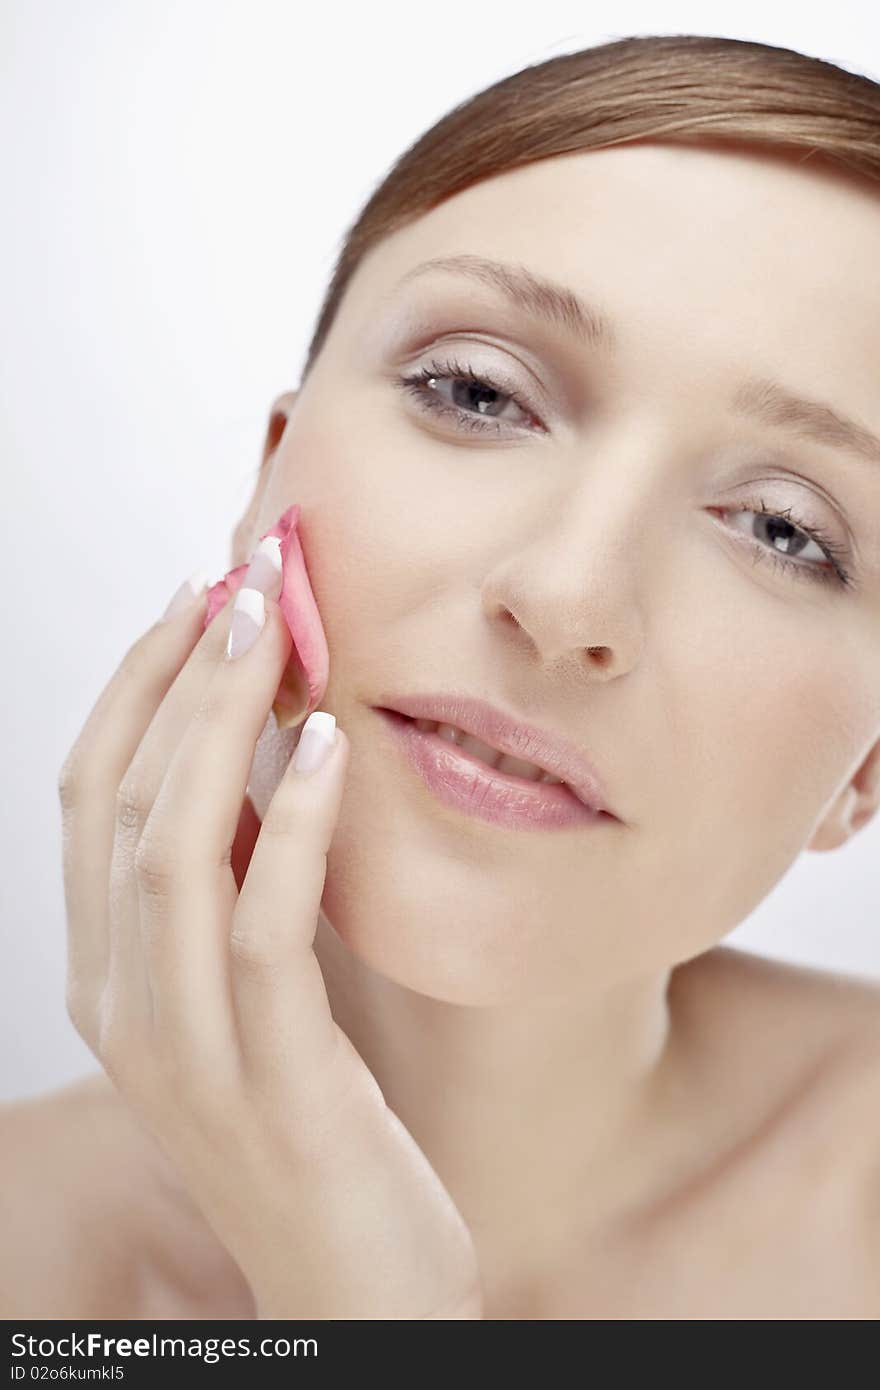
<point>594,558</point>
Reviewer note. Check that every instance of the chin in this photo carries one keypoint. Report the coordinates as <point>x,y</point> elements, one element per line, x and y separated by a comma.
<point>402,926</point>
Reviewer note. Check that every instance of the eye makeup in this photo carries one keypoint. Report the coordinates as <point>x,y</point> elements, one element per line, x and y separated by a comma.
<point>492,402</point>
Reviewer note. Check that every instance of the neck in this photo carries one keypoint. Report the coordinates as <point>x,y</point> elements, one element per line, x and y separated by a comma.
<point>545,1119</point>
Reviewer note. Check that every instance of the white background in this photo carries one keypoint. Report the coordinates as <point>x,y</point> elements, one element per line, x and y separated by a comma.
<point>176,180</point>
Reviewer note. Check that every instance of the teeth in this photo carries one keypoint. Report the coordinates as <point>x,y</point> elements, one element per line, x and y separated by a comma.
<point>502,761</point>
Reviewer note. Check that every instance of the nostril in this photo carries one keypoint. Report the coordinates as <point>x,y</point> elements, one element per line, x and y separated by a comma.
<point>601,655</point>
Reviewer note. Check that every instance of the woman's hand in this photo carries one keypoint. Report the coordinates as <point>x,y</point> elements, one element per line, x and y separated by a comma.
<point>206,1005</point>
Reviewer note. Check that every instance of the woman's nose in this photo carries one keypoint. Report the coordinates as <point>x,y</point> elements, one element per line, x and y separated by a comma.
<point>577,616</point>
<point>575,585</point>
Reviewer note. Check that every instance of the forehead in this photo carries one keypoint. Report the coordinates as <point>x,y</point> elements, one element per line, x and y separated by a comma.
<point>729,252</point>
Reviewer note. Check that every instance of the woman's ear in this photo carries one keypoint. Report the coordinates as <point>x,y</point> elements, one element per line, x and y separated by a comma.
<point>245,536</point>
<point>852,808</point>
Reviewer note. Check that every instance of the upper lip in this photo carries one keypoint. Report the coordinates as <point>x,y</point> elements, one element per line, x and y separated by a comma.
<point>549,751</point>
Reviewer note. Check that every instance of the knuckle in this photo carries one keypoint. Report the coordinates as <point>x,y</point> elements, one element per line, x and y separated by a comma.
<point>132,805</point>
<point>256,959</point>
<point>70,781</point>
<point>68,784</point>
<point>213,708</point>
<point>157,869</point>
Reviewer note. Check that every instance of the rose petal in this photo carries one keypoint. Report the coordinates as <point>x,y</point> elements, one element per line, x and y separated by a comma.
<point>305,678</point>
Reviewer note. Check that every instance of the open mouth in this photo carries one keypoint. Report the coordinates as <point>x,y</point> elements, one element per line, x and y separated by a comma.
<point>473,776</point>
<point>483,752</point>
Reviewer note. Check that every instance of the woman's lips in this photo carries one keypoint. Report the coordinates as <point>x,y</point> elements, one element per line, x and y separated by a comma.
<point>463,781</point>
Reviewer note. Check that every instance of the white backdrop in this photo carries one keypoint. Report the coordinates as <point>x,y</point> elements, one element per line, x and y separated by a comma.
<point>176,179</point>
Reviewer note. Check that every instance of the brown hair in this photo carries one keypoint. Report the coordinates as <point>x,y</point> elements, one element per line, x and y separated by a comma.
<point>681,87</point>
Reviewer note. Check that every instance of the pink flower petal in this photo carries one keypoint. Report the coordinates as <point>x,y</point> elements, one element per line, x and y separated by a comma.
<point>305,678</point>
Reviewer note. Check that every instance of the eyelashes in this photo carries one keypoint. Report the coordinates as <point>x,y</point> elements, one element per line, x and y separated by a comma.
<point>427,398</point>
<point>422,387</point>
<point>834,574</point>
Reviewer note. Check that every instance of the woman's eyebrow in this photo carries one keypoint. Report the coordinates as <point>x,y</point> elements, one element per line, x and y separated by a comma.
<point>771,403</point>
<point>760,398</point>
<point>528,291</point>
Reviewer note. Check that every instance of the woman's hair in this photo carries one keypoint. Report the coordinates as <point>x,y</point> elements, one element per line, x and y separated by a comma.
<point>682,87</point>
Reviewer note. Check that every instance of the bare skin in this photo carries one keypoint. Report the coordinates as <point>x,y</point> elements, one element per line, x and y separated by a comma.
<point>773,1215</point>
<point>631,1120</point>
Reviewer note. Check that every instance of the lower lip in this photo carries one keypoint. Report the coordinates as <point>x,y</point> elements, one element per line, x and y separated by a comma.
<point>464,782</point>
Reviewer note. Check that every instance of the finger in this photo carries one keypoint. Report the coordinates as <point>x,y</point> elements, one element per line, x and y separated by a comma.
<point>285,1027</point>
<point>87,787</point>
<point>245,838</point>
<point>129,992</point>
<point>183,864</point>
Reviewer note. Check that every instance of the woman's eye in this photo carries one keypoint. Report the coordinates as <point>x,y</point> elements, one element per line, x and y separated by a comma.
<point>767,529</point>
<point>476,401</point>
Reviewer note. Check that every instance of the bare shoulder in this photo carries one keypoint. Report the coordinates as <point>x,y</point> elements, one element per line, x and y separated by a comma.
<point>59,1163</point>
<point>775,1211</point>
<point>785,997</point>
<point>804,1038</point>
<point>95,1221</point>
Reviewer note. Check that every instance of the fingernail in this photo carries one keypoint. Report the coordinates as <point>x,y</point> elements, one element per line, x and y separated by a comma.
<point>248,619</point>
<point>317,738</point>
<point>264,570</point>
<point>189,591</point>
<point>262,577</point>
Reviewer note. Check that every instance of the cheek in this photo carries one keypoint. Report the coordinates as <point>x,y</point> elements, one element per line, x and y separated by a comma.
<point>366,565</point>
<point>797,717</point>
<point>377,551</point>
<point>357,516</point>
<point>756,738</point>
<point>762,752</point>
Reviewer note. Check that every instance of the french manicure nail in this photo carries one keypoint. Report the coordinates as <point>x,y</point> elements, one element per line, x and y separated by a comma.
<point>248,620</point>
<point>264,570</point>
<point>189,591</point>
<point>315,741</point>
